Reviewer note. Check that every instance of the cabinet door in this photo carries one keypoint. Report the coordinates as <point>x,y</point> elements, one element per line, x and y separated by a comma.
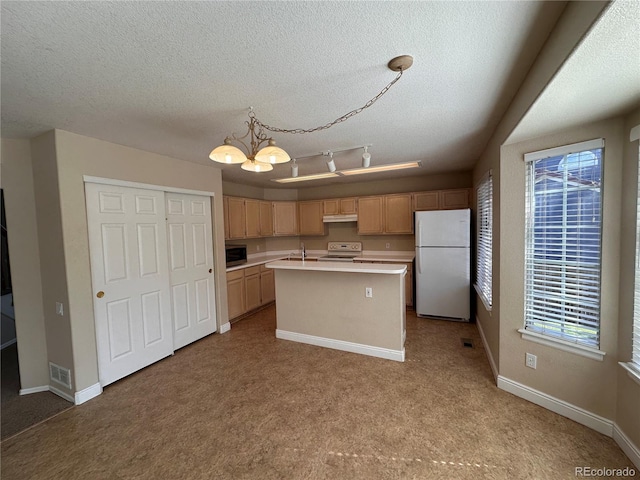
<point>266,219</point>
<point>285,218</point>
<point>398,213</point>
<point>235,297</point>
<point>453,199</point>
<point>252,291</point>
<point>252,218</point>
<point>349,205</point>
<point>370,218</point>
<point>310,218</point>
<point>331,206</point>
<point>267,286</point>
<point>225,208</point>
<point>237,220</point>
<point>426,201</point>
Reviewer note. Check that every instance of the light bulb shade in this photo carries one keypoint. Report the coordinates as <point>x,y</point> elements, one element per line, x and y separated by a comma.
<point>227,154</point>
<point>272,154</point>
<point>255,166</point>
<point>366,160</point>
<point>331,165</point>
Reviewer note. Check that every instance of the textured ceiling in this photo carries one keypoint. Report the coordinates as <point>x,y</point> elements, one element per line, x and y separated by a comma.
<point>600,80</point>
<point>175,78</point>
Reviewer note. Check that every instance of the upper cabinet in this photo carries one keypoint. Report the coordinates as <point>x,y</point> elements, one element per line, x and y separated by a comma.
<point>237,218</point>
<point>340,206</point>
<point>252,217</point>
<point>225,210</point>
<point>386,214</point>
<point>266,219</point>
<point>285,218</point>
<point>441,199</point>
<point>310,218</point>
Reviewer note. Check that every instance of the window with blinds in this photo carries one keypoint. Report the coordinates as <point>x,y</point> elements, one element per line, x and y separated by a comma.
<point>635,356</point>
<point>484,239</point>
<point>563,242</point>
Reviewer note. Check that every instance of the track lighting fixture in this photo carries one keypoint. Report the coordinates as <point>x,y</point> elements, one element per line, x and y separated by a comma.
<point>294,168</point>
<point>331,165</point>
<point>366,158</point>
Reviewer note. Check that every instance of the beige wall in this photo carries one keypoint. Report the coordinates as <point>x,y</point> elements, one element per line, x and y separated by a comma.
<point>628,392</point>
<point>52,256</point>
<point>77,156</point>
<point>587,383</point>
<point>22,229</point>
<point>573,24</point>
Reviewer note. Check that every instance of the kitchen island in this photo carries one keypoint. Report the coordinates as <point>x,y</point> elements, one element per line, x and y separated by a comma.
<point>326,304</point>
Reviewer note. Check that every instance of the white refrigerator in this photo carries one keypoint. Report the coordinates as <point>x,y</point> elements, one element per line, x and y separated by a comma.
<point>443,264</point>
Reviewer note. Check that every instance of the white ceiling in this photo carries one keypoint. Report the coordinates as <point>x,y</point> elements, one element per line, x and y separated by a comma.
<point>175,78</point>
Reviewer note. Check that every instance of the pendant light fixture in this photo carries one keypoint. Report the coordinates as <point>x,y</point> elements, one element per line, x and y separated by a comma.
<point>262,160</point>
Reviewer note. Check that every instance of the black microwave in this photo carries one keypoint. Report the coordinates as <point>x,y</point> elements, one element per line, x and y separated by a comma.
<point>236,254</point>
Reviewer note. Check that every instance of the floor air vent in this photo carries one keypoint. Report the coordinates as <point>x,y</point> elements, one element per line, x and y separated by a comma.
<point>60,375</point>
<point>467,342</point>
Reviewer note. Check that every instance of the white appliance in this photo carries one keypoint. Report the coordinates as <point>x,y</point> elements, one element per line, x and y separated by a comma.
<point>342,252</point>
<point>443,264</point>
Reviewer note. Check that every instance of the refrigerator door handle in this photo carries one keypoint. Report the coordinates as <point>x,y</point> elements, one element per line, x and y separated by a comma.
<point>418,261</point>
<point>419,233</point>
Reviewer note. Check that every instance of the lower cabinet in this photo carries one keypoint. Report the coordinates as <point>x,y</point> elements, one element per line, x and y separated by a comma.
<point>248,289</point>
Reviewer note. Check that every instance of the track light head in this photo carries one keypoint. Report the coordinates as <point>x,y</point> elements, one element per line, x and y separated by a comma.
<point>366,158</point>
<point>330,163</point>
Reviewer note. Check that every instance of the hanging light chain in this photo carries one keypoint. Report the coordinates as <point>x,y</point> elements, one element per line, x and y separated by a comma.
<point>344,117</point>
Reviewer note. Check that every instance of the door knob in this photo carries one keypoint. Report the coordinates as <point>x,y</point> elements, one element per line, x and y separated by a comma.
<point>100,294</point>
<point>210,270</point>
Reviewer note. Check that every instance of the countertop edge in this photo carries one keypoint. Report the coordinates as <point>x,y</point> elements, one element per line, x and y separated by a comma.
<point>345,267</point>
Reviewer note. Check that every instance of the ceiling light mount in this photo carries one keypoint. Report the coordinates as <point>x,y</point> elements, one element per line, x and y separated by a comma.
<point>401,63</point>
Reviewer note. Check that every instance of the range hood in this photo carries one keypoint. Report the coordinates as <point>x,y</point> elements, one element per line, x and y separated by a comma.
<point>352,217</point>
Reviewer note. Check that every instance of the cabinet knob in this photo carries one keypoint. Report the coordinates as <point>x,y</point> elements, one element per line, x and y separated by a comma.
<point>100,294</point>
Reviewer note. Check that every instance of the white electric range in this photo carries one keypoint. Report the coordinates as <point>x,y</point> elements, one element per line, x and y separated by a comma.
<point>342,252</point>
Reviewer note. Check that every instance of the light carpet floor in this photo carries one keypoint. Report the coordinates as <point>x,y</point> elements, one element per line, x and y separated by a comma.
<point>244,405</point>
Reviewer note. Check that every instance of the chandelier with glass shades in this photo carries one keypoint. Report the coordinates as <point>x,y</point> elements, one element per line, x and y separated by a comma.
<point>261,158</point>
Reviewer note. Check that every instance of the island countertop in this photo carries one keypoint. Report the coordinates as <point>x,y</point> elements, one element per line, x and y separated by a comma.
<point>347,267</point>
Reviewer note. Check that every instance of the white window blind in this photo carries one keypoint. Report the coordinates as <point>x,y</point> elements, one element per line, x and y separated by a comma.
<point>484,238</point>
<point>563,242</point>
<point>635,356</point>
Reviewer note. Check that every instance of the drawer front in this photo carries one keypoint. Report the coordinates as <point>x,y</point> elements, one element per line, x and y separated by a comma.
<point>235,275</point>
<point>252,271</point>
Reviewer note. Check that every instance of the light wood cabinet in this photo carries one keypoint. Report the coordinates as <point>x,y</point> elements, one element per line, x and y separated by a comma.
<point>252,218</point>
<point>252,288</point>
<point>386,214</point>
<point>285,218</point>
<point>235,293</point>
<point>237,218</point>
<point>340,206</point>
<point>453,199</point>
<point>310,218</point>
<point>266,219</point>
<point>398,213</point>
<point>267,285</point>
<point>225,210</point>
<point>442,199</point>
<point>370,215</point>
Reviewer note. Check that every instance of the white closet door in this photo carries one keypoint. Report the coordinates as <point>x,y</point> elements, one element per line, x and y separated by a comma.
<point>191,266</point>
<point>130,278</point>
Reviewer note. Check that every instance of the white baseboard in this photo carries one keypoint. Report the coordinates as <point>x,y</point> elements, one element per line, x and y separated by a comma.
<point>225,327</point>
<point>397,355</point>
<point>626,445</point>
<point>8,344</point>
<point>27,391</point>
<point>492,362</point>
<point>88,393</point>
<point>60,393</point>
<point>577,414</point>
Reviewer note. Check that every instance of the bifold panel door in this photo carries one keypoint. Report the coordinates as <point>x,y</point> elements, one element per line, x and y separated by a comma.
<point>130,278</point>
<point>191,267</point>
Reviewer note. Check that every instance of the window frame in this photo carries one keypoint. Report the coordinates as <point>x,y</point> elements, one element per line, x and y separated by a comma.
<point>484,240</point>
<point>583,346</point>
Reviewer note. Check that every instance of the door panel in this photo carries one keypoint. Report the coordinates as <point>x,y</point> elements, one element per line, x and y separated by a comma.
<point>191,261</point>
<point>127,241</point>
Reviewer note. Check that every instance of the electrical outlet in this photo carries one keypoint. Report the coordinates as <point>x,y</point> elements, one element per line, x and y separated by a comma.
<point>368,292</point>
<point>59,309</point>
<point>530,360</point>
<point>388,246</point>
